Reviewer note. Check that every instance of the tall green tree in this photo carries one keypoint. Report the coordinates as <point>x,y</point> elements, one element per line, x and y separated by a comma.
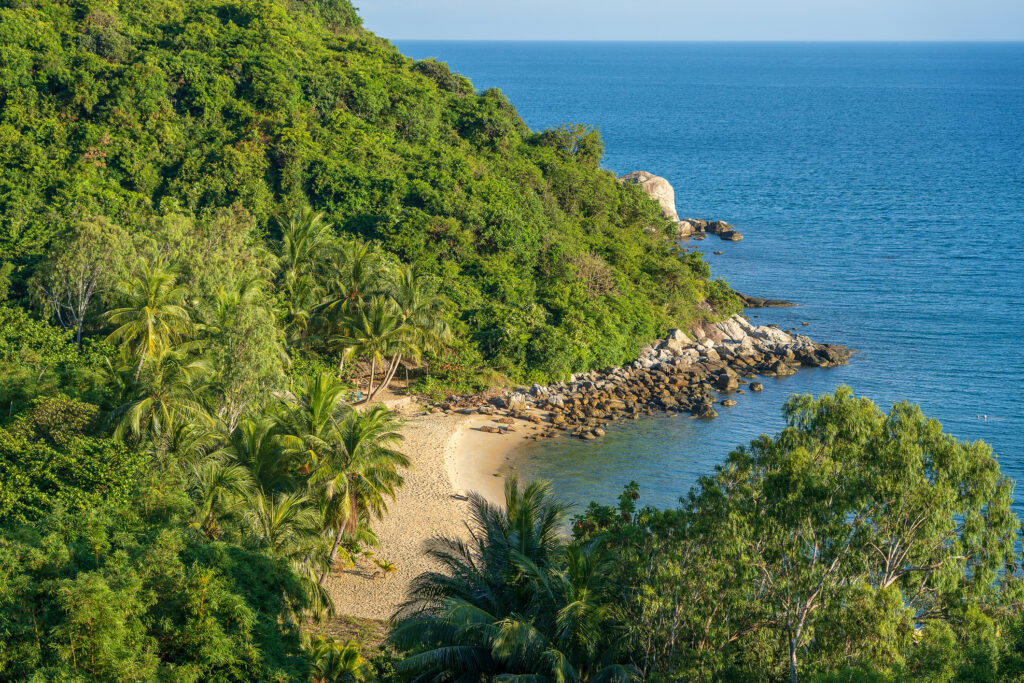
<point>83,267</point>
<point>852,540</point>
<point>152,317</point>
<point>513,602</point>
<point>360,472</point>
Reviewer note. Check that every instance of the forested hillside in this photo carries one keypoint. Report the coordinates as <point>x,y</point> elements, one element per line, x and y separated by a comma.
<point>216,216</point>
<point>215,120</point>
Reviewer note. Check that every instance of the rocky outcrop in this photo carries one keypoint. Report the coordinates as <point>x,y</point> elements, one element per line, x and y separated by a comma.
<point>677,374</point>
<point>657,188</point>
<point>696,226</point>
<point>758,302</point>
<point>660,190</point>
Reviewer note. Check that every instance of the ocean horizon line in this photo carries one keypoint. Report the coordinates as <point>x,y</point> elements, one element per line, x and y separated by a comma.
<point>706,42</point>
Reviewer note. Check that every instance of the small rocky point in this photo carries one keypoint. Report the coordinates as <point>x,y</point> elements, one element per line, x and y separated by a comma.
<point>689,227</point>
<point>678,374</point>
<point>661,191</point>
<point>657,188</point>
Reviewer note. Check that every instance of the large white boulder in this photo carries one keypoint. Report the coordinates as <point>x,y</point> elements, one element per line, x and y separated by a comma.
<point>657,188</point>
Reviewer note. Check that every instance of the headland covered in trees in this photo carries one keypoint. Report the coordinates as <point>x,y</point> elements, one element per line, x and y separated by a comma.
<point>229,229</point>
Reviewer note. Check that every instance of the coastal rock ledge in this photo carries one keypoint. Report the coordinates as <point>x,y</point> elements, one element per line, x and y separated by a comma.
<point>661,191</point>
<point>676,374</point>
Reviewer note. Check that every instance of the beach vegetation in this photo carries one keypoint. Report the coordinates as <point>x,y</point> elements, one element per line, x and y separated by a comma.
<point>514,601</point>
<point>229,229</point>
<point>856,544</point>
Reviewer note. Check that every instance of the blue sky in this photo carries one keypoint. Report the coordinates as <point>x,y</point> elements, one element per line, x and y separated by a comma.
<point>695,19</point>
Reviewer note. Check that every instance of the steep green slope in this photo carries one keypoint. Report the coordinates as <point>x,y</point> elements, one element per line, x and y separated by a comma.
<point>146,107</point>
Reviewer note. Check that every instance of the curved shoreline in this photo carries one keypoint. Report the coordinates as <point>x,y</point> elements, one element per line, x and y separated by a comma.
<point>465,445</point>
<point>450,457</point>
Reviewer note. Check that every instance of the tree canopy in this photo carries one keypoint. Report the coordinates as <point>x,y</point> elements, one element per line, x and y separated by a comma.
<point>129,113</point>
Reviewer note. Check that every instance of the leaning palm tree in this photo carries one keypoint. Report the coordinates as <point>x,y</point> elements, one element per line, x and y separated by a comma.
<point>351,541</point>
<point>377,329</point>
<point>424,326</point>
<point>360,472</point>
<point>514,601</point>
<point>152,317</point>
<point>357,273</point>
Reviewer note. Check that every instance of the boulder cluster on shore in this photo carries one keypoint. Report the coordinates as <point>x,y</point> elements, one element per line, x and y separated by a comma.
<point>691,227</point>
<point>661,191</point>
<point>682,373</point>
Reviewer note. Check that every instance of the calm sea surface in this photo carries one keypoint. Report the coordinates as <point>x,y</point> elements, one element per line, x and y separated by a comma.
<point>880,186</point>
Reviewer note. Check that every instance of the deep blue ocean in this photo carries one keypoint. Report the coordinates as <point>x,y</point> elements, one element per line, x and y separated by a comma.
<point>880,186</point>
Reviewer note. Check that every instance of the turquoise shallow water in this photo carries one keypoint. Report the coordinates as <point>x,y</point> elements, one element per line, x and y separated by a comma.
<point>880,186</point>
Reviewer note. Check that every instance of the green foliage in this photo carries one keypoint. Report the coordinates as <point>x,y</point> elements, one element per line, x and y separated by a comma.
<point>195,125</point>
<point>115,594</point>
<point>515,600</point>
<point>45,466</point>
<point>38,358</point>
<point>855,545</point>
<point>722,298</point>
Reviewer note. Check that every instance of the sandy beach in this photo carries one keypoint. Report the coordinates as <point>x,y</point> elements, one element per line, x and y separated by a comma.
<point>449,457</point>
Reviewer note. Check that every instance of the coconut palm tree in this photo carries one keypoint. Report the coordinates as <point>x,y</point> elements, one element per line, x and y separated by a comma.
<point>299,297</point>
<point>357,274</point>
<point>152,317</point>
<point>515,601</point>
<point>424,326</point>
<point>335,662</point>
<point>360,472</point>
<point>377,329</point>
<point>219,489</point>
<point>166,397</point>
<point>256,445</point>
<point>308,424</point>
<point>306,240</point>
<point>288,526</point>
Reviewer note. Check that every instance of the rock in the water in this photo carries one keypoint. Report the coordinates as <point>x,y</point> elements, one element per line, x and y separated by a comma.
<point>731,235</point>
<point>758,302</point>
<point>657,188</point>
<point>728,403</point>
<point>726,382</point>
<point>691,225</point>
<point>756,386</point>
<point>717,253</point>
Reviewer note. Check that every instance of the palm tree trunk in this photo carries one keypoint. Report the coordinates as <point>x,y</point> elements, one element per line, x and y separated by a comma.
<point>388,376</point>
<point>334,554</point>
<point>373,369</point>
